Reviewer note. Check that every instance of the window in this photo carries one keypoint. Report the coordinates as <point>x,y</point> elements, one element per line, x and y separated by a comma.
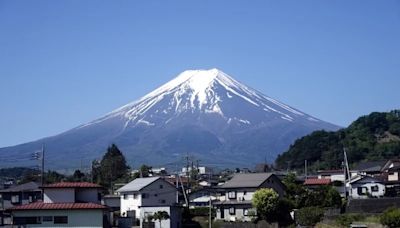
<point>232,195</point>
<point>30,199</point>
<point>361,190</point>
<point>162,201</point>
<point>126,196</point>
<point>60,219</point>
<point>375,188</point>
<point>145,195</point>
<point>245,212</point>
<point>98,196</point>
<point>27,220</point>
<point>47,218</point>
<point>135,196</point>
<point>232,210</point>
<point>161,186</point>
<point>15,199</point>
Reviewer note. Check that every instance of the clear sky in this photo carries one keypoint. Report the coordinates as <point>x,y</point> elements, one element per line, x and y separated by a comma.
<point>64,63</point>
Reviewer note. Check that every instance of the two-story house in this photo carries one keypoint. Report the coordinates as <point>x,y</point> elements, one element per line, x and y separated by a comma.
<point>143,197</point>
<point>67,204</point>
<point>236,195</point>
<point>17,195</point>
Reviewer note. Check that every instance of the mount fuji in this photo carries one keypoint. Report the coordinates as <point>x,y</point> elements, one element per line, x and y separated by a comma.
<point>205,113</point>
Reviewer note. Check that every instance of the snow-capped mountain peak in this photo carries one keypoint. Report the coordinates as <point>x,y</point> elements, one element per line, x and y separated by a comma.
<point>205,92</point>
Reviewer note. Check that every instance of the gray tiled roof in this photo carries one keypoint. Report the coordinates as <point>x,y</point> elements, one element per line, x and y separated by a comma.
<point>247,180</point>
<point>370,166</point>
<point>137,184</point>
<point>30,186</point>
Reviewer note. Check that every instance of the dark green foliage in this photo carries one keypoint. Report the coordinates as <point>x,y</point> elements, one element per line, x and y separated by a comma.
<point>53,177</point>
<point>144,171</point>
<point>391,217</point>
<point>17,172</point>
<point>202,211</point>
<point>160,215</point>
<point>111,168</point>
<point>266,200</point>
<point>299,196</point>
<point>345,220</point>
<point>372,137</point>
<point>309,216</point>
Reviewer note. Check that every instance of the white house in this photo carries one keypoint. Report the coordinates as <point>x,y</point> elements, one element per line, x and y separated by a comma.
<point>237,194</point>
<point>144,196</point>
<point>66,204</point>
<point>363,187</point>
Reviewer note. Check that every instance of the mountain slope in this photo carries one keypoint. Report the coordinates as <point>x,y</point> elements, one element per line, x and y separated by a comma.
<point>202,112</point>
<point>372,137</point>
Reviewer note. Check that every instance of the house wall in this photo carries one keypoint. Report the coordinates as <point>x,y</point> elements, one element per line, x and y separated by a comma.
<point>154,196</point>
<point>76,218</point>
<point>56,195</point>
<point>367,186</point>
<point>129,203</point>
<point>159,196</point>
<point>173,222</point>
<point>393,176</point>
<point>87,195</point>
<point>238,215</point>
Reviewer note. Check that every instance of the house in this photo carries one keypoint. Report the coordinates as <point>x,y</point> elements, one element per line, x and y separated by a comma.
<point>363,187</point>
<point>235,202</point>
<point>201,197</point>
<point>113,203</point>
<point>67,204</point>
<point>17,195</point>
<point>143,197</point>
<point>333,175</point>
<point>371,168</point>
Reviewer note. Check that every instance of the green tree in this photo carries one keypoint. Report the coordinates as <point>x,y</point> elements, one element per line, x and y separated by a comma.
<point>309,216</point>
<point>160,215</point>
<point>391,217</point>
<point>266,200</point>
<point>113,166</point>
<point>78,176</point>
<point>144,171</point>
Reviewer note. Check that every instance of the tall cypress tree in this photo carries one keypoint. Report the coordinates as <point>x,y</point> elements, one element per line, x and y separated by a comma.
<point>113,166</point>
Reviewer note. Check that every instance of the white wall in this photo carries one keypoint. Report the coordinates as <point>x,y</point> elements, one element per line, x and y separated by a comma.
<point>130,203</point>
<point>56,195</point>
<point>76,218</point>
<point>379,193</point>
<point>393,176</point>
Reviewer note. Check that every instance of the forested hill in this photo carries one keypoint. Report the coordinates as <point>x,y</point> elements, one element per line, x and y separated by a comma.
<point>372,137</point>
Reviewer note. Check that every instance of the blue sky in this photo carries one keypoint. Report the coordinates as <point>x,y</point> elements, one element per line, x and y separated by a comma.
<point>64,63</point>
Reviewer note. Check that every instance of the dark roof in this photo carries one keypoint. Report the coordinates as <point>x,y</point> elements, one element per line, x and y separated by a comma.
<point>247,180</point>
<point>72,185</point>
<point>370,166</point>
<point>314,181</point>
<point>30,186</point>
<point>58,206</point>
<point>331,171</point>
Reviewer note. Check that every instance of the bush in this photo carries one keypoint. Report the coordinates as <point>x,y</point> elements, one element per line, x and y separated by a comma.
<point>391,217</point>
<point>346,219</point>
<point>309,216</point>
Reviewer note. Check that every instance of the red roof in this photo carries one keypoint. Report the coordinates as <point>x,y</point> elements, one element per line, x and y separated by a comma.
<point>72,185</point>
<point>58,206</point>
<point>314,181</point>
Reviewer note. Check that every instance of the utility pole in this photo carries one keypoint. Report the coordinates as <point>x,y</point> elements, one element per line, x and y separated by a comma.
<point>42,177</point>
<point>210,203</point>
<point>305,168</point>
